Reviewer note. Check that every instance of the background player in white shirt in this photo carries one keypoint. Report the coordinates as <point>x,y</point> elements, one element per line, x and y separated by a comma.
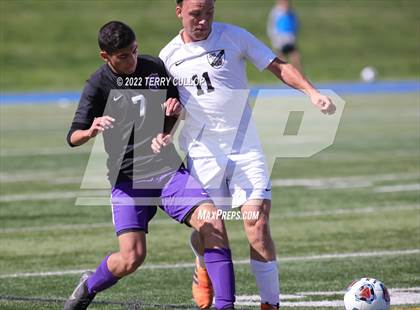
<point>223,149</point>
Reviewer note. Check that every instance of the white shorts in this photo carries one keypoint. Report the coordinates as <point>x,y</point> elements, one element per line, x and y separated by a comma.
<point>231,180</point>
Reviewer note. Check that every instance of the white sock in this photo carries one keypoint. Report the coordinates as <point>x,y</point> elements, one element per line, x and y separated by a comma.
<point>267,277</point>
<point>200,257</point>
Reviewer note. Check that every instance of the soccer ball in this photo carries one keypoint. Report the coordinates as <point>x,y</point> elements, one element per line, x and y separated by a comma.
<point>368,74</point>
<point>367,294</point>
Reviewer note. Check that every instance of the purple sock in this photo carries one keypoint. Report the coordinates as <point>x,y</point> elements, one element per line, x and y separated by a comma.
<point>101,279</point>
<point>220,269</point>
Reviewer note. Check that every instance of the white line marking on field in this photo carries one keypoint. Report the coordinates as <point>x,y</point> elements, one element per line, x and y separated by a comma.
<point>315,183</point>
<point>345,211</point>
<point>167,221</point>
<point>56,177</point>
<point>398,188</point>
<point>236,262</point>
<point>347,255</point>
<point>73,226</point>
<point>39,196</point>
<point>254,300</point>
<point>39,177</point>
<point>43,151</point>
<point>399,296</point>
<point>52,195</point>
<point>344,182</point>
<point>95,198</point>
<point>54,227</point>
<point>332,293</point>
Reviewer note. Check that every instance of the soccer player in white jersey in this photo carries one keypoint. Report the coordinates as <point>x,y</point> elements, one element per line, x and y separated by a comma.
<point>214,55</point>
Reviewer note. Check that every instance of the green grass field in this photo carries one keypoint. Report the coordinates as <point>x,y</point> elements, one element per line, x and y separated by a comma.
<point>52,45</point>
<point>357,209</point>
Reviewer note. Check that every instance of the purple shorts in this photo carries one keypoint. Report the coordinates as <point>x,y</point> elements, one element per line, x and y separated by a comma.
<point>135,204</point>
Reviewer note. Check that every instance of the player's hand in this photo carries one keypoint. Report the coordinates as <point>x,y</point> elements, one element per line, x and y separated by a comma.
<point>323,103</point>
<point>100,124</point>
<point>172,107</point>
<point>161,140</point>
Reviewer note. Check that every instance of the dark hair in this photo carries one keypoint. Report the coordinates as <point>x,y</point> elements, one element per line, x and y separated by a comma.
<point>115,35</point>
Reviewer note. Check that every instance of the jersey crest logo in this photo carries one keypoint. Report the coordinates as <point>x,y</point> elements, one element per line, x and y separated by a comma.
<point>216,58</point>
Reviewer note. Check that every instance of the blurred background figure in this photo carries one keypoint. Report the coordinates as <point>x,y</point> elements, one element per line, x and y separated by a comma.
<point>282,29</point>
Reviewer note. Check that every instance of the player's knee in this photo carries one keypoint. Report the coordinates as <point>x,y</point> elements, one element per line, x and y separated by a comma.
<point>259,225</point>
<point>209,227</point>
<point>257,220</point>
<point>213,224</point>
<point>217,225</point>
<point>212,228</point>
<point>204,217</point>
<point>132,260</point>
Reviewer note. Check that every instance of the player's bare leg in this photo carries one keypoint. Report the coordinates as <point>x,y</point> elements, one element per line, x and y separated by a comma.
<point>131,255</point>
<point>113,267</point>
<point>262,252</point>
<point>258,230</point>
<point>212,243</point>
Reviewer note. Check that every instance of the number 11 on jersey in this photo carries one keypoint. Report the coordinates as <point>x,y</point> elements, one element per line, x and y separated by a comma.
<point>197,83</point>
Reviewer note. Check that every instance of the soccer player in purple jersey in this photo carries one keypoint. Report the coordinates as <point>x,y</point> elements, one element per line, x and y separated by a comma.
<point>129,117</point>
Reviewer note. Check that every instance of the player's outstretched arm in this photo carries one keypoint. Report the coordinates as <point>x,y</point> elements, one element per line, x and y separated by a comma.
<point>293,78</point>
<point>99,124</point>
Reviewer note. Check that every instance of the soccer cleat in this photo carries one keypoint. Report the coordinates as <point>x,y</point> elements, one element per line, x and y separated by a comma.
<point>80,298</point>
<point>202,290</point>
<point>267,306</point>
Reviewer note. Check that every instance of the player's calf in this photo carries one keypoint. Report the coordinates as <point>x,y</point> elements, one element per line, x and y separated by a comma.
<point>211,229</point>
<point>124,263</point>
<point>262,254</point>
<point>217,258</point>
<point>112,268</point>
<point>258,230</point>
<point>131,255</point>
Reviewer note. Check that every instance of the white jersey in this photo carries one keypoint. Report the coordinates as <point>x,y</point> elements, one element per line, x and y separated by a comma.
<point>216,102</point>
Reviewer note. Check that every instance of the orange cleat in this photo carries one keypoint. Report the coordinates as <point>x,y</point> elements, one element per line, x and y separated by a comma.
<point>202,290</point>
<point>267,306</point>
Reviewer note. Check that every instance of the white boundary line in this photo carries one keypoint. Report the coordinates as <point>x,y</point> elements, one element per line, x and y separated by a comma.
<point>54,195</point>
<point>398,188</point>
<point>399,296</point>
<point>313,183</point>
<point>237,262</point>
<point>96,198</point>
<point>42,151</point>
<point>346,211</point>
<point>344,182</point>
